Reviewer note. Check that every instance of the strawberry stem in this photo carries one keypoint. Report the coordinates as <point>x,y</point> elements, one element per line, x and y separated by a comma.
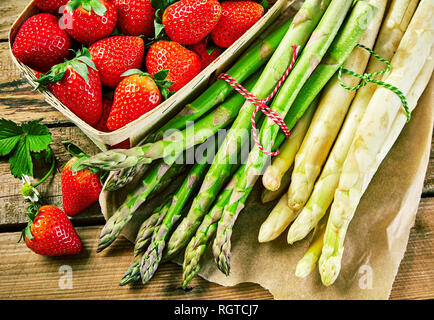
<point>53,163</point>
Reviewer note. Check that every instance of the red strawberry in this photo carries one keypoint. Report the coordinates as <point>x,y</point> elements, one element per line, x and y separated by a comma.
<point>80,188</point>
<point>135,17</point>
<point>77,84</point>
<point>206,52</point>
<point>51,6</point>
<point>52,234</point>
<point>122,145</point>
<point>41,43</point>
<point>136,95</point>
<point>106,109</point>
<point>237,18</point>
<point>88,21</point>
<point>183,64</point>
<point>190,21</point>
<point>115,55</point>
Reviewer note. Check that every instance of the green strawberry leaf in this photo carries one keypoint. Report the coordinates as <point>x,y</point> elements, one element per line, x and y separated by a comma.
<point>73,4</point>
<point>166,93</point>
<point>133,72</point>
<point>160,33</point>
<point>27,231</point>
<point>98,7</point>
<point>162,4</point>
<point>161,75</point>
<point>163,84</point>
<point>80,154</point>
<point>265,4</point>
<point>22,143</point>
<point>37,135</point>
<point>159,26</point>
<point>20,162</point>
<point>81,69</point>
<point>10,134</point>
<point>210,47</point>
<point>74,150</point>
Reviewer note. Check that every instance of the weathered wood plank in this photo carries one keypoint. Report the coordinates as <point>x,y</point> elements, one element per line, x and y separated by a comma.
<point>96,276</point>
<point>416,272</point>
<point>18,101</point>
<point>428,188</point>
<point>25,275</point>
<point>12,205</point>
<point>9,12</point>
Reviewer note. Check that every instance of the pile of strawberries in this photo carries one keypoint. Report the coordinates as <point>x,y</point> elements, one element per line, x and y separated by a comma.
<point>130,55</point>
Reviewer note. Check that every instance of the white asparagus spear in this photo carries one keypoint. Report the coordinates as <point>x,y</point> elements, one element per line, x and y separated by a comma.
<point>273,175</point>
<point>277,221</point>
<point>268,196</point>
<point>328,118</point>
<point>306,265</point>
<point>413,51</point>
<point>309,261</point>
<point>392,30</point>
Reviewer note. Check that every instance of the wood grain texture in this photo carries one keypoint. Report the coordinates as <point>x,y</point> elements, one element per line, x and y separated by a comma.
<point>18,101</point>
<point>415,279</point>
<point>96,276</point>
<point>9,11</point>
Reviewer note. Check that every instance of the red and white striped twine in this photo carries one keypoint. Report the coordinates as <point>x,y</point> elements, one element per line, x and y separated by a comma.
<point>261,104</point>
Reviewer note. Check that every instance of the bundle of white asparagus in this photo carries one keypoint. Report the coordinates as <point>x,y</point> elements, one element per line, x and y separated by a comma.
<point>324,169</point>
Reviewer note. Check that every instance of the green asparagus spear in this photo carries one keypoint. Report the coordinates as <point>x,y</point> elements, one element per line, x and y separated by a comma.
<point>133,273</point>
<point>178,141</point>
<point>204,234</point>
<point>210,124</point>
<point>154,254</point>
<point>148,226</point>
<point>125,212</point>
<point>121,178</point>
<point>246,65</point>
<point>301,27</point>
<point>320,41</point>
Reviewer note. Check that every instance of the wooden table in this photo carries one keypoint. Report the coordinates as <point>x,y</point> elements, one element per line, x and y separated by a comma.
<point>24,275</point>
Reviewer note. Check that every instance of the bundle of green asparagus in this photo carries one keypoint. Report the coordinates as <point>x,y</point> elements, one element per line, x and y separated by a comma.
<point>314,162</point>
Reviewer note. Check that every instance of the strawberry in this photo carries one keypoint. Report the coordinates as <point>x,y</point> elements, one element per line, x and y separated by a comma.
<point>88,21</point>
<point>107,104</point>
<point>206,52</point>
<point>40,42</point>
<point>51,6</point>
<point>50,233</point>
<point>190,21</point>
<point>183,64</point>
<point>135,17</point>
<point>136,95</point>
<point>122,145</point>
<point>81,187</point>
<point>115,55</point>
<point>76,83</point>
<point>237,18</point>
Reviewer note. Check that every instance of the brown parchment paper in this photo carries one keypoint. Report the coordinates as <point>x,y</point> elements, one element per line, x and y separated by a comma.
<point>376,240</point>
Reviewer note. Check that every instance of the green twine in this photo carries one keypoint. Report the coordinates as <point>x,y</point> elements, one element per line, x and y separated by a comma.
<point>368,77</point>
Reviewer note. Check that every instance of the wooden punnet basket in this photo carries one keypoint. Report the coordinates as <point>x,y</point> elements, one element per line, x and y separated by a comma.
<point>135,131</point>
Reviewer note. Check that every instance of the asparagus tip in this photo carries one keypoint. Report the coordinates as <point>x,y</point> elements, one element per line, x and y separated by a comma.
<point>329,269</point>
<point>303,269</point>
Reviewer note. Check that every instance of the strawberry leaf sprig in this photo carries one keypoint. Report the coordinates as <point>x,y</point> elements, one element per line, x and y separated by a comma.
<point>24,143</point>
